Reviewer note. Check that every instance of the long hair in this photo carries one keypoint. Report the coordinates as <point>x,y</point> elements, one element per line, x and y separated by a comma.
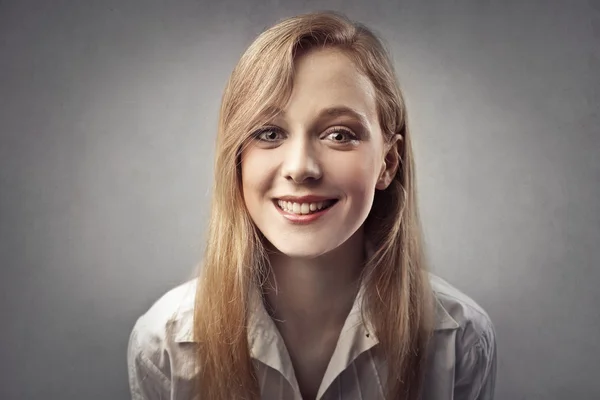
<point>397,295</point>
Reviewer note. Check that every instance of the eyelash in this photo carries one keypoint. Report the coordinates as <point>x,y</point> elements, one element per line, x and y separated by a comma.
<point>351,136</point>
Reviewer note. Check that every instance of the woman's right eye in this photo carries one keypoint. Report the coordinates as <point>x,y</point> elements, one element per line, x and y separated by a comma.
<point>269,134</point>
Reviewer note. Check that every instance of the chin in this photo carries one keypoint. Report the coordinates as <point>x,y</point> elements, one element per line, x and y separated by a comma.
<point>305,250</point>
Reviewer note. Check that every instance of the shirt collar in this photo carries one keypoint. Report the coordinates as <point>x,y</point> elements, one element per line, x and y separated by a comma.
<point>262,327</point>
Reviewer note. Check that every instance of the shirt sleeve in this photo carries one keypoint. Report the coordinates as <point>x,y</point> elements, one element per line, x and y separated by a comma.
<point>146,381</point>
<point>476,372</point>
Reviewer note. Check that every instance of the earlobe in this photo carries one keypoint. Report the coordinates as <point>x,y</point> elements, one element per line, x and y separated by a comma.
<point>382,183</point>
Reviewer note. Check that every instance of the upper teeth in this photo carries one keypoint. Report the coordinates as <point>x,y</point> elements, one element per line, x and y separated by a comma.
<point>303,208</point>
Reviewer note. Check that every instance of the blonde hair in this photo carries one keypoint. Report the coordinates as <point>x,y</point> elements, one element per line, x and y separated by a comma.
<point>397,299</point>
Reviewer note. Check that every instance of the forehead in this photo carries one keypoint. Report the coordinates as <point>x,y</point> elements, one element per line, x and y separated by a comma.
<point>326,78</point>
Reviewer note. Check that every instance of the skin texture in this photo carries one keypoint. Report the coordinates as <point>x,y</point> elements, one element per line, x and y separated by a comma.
<point>315,266</point>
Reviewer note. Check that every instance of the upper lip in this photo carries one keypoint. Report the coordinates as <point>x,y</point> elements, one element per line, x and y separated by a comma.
<point>304,199</point>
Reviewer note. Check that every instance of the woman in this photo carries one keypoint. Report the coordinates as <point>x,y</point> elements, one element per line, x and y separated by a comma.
<point>314,282</point>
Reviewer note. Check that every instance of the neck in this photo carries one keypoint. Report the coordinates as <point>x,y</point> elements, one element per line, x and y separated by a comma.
<point>306,294</point>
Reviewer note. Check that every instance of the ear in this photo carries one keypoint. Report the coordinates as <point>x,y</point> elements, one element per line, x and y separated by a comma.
<point>391,162</point>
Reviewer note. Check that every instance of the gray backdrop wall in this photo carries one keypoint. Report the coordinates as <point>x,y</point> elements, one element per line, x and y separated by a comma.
<point>107,121</point>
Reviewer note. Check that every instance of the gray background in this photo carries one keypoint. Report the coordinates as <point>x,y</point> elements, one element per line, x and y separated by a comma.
<point>107,121</point>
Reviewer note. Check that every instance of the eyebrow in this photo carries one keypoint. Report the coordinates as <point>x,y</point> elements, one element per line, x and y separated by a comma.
<point>335,111</point>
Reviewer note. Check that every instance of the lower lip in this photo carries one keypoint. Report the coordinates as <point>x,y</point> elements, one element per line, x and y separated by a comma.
<point>305,218</point>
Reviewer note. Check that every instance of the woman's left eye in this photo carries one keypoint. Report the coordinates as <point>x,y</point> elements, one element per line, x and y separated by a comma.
<point>341,136</point>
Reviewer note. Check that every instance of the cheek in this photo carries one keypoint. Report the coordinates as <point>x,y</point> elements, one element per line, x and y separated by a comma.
<point>255,179</point>
<point>358,174</point>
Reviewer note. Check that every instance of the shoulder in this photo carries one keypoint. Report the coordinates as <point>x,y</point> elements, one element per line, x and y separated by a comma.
<point>154,351</point>
<point>166,321</point>
<point>468,315</point>
<point>474,343</point>
<point>167,316</point>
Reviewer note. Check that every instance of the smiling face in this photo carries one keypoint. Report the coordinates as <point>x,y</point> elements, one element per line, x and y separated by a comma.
<point>309,176</point>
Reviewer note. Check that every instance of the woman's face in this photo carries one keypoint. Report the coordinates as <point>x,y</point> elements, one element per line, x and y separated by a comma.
<point>309,175</point>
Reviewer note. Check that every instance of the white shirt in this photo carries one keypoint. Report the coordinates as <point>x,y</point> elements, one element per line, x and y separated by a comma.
<point>461,363</point>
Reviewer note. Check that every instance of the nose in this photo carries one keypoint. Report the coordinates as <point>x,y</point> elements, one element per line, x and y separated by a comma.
<point>301,163</point>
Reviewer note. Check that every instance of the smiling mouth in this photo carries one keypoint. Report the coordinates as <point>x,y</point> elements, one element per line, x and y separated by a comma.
<point>304,208</point>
